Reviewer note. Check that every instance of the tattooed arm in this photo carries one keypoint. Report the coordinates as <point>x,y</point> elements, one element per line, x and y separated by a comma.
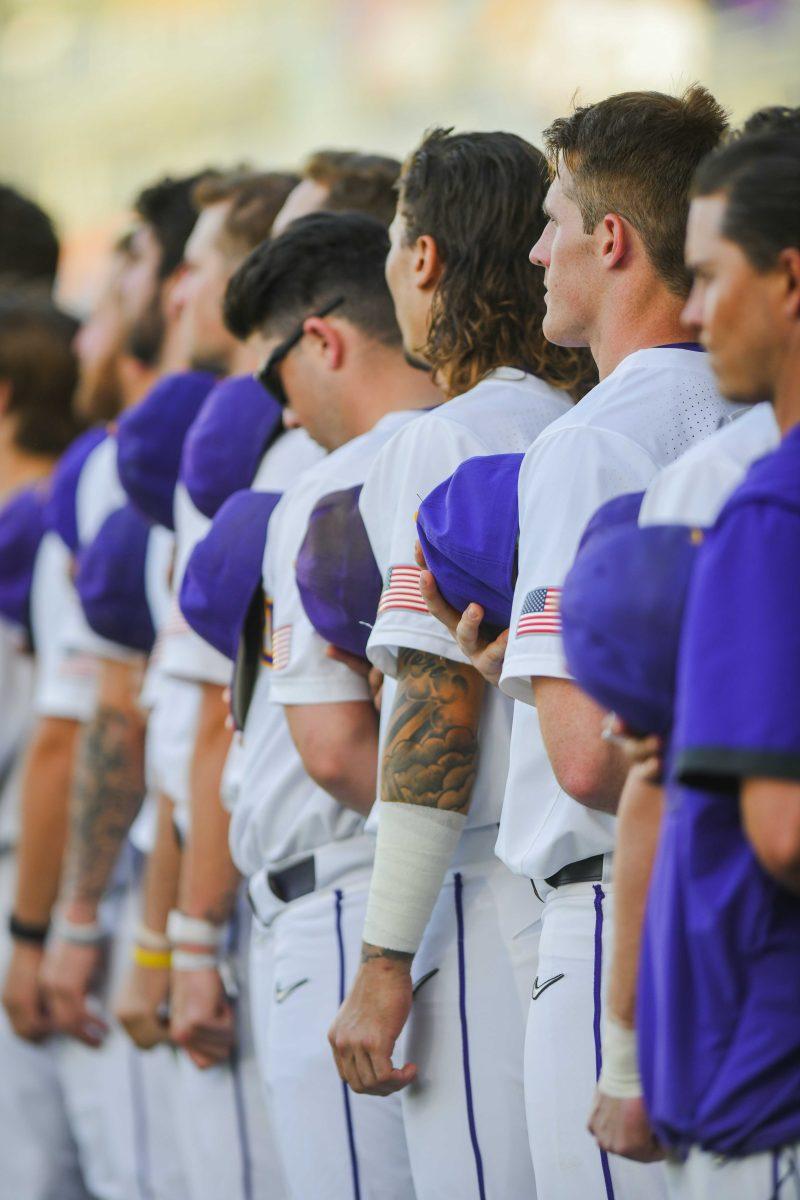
<point>107,793</point>
<point>429,763</point>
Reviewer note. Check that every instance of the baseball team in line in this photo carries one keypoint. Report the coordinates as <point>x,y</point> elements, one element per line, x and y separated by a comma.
<point>400,660</point>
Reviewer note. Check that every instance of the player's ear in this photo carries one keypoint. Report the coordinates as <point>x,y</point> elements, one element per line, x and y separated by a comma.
<point>326,339</point>
<point>428,265</point>
<point>613,234</point>
<point>789,264</point>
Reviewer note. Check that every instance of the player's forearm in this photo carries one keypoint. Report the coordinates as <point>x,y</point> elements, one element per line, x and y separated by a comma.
<point>429,769</point>
<point>640,811</point>
<point>589,769</point>
<point>209,881</point>
<point>338,744</point>
<point>108,789</point>
<point>160,884</point>
<point>45,804</point>
<point>431,755</point>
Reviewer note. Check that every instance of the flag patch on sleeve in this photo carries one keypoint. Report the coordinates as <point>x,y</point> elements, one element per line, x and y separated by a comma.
<point>281,647</point>
<point>540,612</point>
<point>401,590</point>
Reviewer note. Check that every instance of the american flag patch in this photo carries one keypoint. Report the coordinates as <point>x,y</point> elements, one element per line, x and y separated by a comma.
<point>540,612</point>
<point>401,590</point>
<point>266,646</point>
<point>281,647</point>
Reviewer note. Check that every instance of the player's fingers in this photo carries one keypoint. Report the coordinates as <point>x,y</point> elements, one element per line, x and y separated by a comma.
<point>436,603</point>
<point>390,1079</point>
<point>366,1072</point>
<point>468,629</point>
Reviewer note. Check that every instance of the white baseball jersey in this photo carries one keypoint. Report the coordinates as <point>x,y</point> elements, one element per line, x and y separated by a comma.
<point>647,412</point>
<point>693,489</point>
<point>66,680</point>
<point>504,413</point>
<point>280,812</point>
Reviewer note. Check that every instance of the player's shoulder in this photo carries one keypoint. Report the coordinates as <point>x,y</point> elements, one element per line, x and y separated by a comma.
<point>772,482</point>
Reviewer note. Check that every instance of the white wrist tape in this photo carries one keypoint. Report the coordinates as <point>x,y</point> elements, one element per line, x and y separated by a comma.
<point>415,848</point>
<point>150,939</point>
<point>193,931</point>
<point>619,1077</point>
<point>185,960</point>
<point>88,934</point>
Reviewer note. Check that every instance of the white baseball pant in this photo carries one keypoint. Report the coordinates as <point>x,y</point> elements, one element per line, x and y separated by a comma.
<point>703,1176</point>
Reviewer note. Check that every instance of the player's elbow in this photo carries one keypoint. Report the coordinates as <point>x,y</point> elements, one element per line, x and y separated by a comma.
<point>586,780</point>
<point>778,851</point>
<point>329,764</point>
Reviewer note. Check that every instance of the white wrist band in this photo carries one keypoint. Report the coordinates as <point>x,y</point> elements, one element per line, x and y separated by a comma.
<point>184,960</point>
<point>619,1077</point>
<point>88,934</point>
<point>150,939</point>
<point>193,931</point>
<point>415,847</point>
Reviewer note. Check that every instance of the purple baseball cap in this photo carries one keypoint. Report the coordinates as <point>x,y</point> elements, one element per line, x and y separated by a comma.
<point>110,580</point>
<point>227,441</point>
<point>150,439</point>
<point>621,612</point>
<point>621,510</point>
<point>60,512</point>
<point>22,527</point>
<point>224,569</point>
<point>468,528</point>
<point>337,576</point>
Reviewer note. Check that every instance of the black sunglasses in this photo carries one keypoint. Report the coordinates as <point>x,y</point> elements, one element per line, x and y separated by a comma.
<point>268,375</point>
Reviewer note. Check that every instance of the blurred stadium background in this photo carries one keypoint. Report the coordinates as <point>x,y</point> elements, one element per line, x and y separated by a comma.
<point>101,95</point>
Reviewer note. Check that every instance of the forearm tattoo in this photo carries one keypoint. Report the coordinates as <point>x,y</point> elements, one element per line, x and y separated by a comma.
<point>431,755</point>
<point>369,953</point>
<point>107,795</point>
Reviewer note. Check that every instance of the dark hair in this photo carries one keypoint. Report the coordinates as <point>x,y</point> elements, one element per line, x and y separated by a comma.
<point>635,154</point>
<point>316,259</point>
<point>37,360</point>
<point>256,199</point>
<point>759,176</point>
<point>479,196</point>
<point>356,182</point>
<point>168,208</point>
<point>28,242</point>
<point>772,119</point>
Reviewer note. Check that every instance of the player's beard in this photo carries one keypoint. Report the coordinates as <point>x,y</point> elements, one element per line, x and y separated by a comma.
<point>146,336</point>
<point>98,396</point>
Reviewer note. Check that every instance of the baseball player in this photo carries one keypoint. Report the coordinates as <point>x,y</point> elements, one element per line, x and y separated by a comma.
<point>38,374</point>
<point>335,361</point>
<point>561,834</point>
<point>343,181</point>
<point>446,924</point>
<point>745,1135</point>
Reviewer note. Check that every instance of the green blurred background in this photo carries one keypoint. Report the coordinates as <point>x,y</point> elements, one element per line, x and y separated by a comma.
<point>98,96</point>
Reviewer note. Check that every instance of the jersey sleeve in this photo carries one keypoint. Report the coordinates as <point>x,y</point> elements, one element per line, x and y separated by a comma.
<point>690,492</point>
<point>302,673</point>
<point>410,466</point>
<point>739,669</point>
<point>565,477</point>
<point>66,676</point>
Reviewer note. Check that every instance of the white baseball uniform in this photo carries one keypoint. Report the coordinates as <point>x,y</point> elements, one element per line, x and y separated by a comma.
<point>225,1104</point>
<point>357,1147</point>
<point>464,1118</point>
<point>119,1098</point>
<point>36,1144</point>
<point>647,412</point>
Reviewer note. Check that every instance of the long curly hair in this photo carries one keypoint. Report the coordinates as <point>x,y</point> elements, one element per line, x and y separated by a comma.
<point>480,196</point>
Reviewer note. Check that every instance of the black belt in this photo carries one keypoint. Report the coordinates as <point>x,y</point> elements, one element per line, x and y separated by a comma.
<point>293,882</point>
<point>588,870</point>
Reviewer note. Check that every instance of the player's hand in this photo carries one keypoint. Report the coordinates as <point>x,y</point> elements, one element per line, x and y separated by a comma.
<point>23,998</point>
<point>141,1005</point>
<point>623,1127</point>
<point>486,656</point>
<point>369,1023</point>
<point>69,972</point>
<point>644,753</point>
<point>202,1019</point>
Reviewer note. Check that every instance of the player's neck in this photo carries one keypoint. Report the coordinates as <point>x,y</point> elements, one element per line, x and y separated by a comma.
<point>787,391</point>
<point>636,319</point>
<point>396,387</point>
<point>18,468</point>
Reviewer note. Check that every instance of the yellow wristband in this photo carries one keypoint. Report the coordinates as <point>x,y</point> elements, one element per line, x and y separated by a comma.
<point>155,960</point>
